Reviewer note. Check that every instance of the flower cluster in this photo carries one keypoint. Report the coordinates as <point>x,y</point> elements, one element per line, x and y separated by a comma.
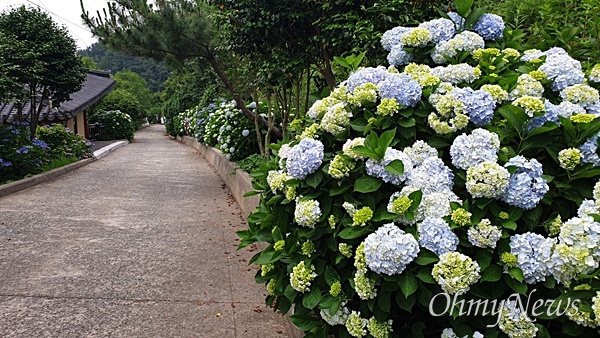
<point>302,276</point>
<point>389,250</point>
<point>456,272</point>
<point>304,158</point>
<point>515,323</point>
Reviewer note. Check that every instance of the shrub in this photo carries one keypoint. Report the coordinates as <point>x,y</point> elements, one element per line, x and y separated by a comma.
<point>228,130</point>
<point>124,101</point>
<point>63,143</point>
<point>19,155</point>
<point>117,125</point>
<point>465,173</point>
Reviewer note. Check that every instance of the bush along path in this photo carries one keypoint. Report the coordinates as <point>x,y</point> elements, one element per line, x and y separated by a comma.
<point>138,244</point>
<point>454,193</point>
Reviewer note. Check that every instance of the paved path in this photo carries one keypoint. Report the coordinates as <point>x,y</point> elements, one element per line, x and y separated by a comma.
<point>138,244</point>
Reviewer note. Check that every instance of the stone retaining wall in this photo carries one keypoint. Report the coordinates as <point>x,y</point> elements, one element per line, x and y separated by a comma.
<point>237,180</point>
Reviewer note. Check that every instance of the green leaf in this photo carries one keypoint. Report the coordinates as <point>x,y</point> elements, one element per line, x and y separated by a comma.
<point>251,193</point>
<point>364,151</point>
<point>384,302</point>
<point>463,7</point>
<point>426,257</point>
<point>339,190</point>
<point>516,273</point>
<point>408,283</point>
<point>354,232</point>
<point>396,167</point>
<point>306,322</point>
<point>411,122</point>
<point>342,62</point>
<point>384,142</point>
<point>425,276</point>
<point>311,299</point>
<point>314,179</point>
<point>367,184</point>
<point>547,127</point>
<point>493,273</point>
<point>515,116</point>
<point>359,124</point>
<point>404,303</point>
<point>515,285</point>
<point>509,225</point>
<point>331,276</point>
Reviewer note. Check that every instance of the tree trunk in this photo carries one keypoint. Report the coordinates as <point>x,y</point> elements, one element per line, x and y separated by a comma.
<point>240,103</point>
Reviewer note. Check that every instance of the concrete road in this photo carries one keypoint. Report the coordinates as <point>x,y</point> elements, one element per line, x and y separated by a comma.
<point>138,244</point>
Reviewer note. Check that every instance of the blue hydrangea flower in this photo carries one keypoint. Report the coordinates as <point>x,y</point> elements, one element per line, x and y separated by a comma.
<point>377,168</point>
<point>402,88</point>
<point>588,151</point>
<point>389,250</point>
<point>534,254</point>
<point>435,235</point>
<point>442,29</point>
<point>398,56</point>
<point>526,186</point>
<point>393,37</point>
<point>366,75</point>
<point>469,150</point>
<point>432,175</point>
<point>551,115</point>
<point>479,105</point>
<point>489,26</point>
<point>563,70</point>
<point>305,158</point>
<point>458,20</point>
<point>39,143</point>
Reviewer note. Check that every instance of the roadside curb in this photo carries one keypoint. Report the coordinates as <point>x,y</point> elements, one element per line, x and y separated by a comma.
<point>29,182</point>
<point>239,183</point>
<point>100,153</point>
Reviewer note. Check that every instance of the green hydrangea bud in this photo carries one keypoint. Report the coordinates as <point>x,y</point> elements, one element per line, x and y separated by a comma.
<point>335,289</point>
<point>279,245</point>
<point>509,259</point>
<point>362,216</point>
<point>461,217</point>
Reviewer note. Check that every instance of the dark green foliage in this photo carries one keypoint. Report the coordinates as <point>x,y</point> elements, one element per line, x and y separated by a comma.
<point>154,73</point>
<point>43,60</point>
<point>251,163</point>
<point>64,144</point>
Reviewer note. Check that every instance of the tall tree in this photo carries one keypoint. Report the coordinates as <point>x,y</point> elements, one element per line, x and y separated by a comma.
<point>171,31</point>
<point>43,60</point>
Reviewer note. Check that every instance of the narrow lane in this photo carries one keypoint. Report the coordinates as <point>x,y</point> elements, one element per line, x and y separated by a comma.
<point>138,244</point>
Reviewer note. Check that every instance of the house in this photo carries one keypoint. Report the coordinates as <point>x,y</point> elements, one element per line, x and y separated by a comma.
<point>72,113</point>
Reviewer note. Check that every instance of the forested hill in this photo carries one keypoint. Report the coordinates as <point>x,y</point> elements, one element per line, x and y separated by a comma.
<point>153,72</point>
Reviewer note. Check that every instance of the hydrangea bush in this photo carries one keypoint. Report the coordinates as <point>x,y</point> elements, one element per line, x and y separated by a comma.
<point>19,155</point>
<point>117,125</point>
<point>467,168</point>
<point>221,125</point>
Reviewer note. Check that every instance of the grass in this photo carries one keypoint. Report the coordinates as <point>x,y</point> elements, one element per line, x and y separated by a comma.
<point>59,162</point>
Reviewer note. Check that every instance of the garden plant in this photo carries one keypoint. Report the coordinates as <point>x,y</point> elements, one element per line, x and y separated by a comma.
<point>118,125</point>
<point>453,193</point>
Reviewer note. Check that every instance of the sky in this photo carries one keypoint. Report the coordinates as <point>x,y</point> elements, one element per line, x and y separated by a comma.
<point>65,13</point>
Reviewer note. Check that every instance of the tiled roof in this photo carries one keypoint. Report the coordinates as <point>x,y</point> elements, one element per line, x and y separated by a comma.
<point>95,87</point>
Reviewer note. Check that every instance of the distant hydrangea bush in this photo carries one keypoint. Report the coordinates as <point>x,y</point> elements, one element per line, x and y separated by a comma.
<point>467,169</point>
<point>221,125</point>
